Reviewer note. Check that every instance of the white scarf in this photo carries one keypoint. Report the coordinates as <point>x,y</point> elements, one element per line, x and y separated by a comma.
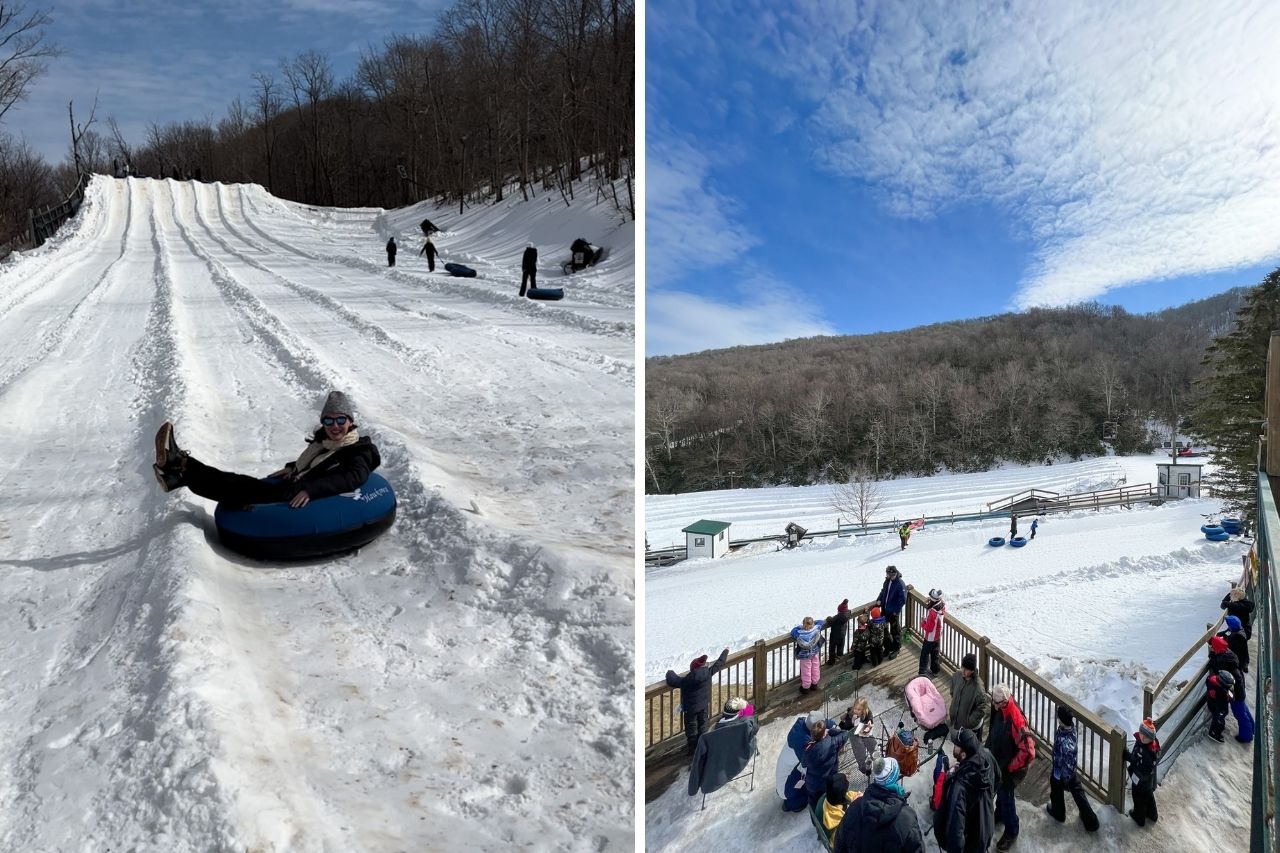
<point>318,451</point>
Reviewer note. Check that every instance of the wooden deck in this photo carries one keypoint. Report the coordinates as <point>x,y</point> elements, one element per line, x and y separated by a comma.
<point>664,767</point>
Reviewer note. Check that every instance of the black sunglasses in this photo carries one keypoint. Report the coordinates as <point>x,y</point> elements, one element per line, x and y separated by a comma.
<point>340,420</point>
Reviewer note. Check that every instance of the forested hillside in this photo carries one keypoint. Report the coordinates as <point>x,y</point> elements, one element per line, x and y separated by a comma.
<point>500,94</point>
<point>963,396</point>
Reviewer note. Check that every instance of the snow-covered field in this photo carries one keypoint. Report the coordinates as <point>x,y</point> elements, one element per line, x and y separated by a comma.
<point>464,680</point>
<point>1100,603</point>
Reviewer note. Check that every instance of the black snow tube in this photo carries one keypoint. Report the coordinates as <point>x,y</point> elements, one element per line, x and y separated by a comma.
<point>460,271</point>
<point>324,526</point>
<point>551,293</point>
<point>1017,542</point>
<point>996,541</point>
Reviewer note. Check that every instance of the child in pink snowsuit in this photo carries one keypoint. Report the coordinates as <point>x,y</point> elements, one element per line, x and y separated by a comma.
<point>809,640</point>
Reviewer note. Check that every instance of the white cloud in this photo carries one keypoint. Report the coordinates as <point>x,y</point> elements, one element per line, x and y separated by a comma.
<point>689,224</point>
<point>1131,143</point>
<point>677,322</point>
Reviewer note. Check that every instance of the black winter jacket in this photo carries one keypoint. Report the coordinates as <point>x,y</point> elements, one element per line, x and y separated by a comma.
<point>879,822</point>
<point>1231,663</point>
<point>1238,644</point>
<point>1242,610</point>
<point>1141,759</point>
<point>529,263</point>
<point>695,686</point>
<point>966,820</point>
<point>838,625</point>
<point>344,471</point>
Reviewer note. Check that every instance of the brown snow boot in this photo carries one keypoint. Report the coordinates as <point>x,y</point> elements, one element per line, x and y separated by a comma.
<point>171,461</point>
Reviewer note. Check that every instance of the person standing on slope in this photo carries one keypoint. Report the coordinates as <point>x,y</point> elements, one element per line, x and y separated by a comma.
<point>1035,522</point>
<point>337,459</point>
<point>391,252</point>
<point>695,695</point>
<point>904,533</point>
<point>893,597</point>
<point>528,269</point>
<point>429,249</point>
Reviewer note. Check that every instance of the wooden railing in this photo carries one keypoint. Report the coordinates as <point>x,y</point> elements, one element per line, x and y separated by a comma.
<point>45,224</point>
<point>769,664</point>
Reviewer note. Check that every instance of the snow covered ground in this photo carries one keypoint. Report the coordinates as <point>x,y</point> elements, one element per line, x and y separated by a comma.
<point>466,679</point>
<point>1100,603</point>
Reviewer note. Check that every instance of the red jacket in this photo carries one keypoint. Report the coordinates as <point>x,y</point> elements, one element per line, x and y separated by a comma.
<point>1022,746</point>
<point>931,627</point>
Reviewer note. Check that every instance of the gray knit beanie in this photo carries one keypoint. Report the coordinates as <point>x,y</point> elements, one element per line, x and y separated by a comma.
<point>338,403</point>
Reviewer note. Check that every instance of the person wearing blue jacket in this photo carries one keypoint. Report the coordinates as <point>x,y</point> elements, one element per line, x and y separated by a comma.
<point>892,599</point>
<point>809,641</point>
<point>821,759</point>
<point>1065,777</point>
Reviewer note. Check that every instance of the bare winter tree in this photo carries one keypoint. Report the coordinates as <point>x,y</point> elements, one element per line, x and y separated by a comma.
<point>23,50</point>
<point>858,497</point>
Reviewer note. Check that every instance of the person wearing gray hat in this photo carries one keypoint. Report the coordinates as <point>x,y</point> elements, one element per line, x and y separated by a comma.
<point>337,459</point>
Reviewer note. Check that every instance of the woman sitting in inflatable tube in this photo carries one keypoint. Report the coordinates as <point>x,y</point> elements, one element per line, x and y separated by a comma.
<point>337,460</point>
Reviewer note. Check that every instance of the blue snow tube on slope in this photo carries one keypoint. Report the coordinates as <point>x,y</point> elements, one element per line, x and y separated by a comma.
<point>460,271</point>
<point>1220,536</point>
<point>551,293</point>
<point>1211,529</point>
<point>324,526</point>
<point>1232,525</point>
<point>996,541</point>
<point>1017,542</point>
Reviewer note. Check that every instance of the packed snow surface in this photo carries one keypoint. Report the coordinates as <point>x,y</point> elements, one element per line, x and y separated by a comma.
<point>1100,604</point>
<point>466,680</point>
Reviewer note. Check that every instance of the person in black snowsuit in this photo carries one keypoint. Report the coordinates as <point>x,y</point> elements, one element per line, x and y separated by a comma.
<point>966,822</point>
<point>337,459</point>
<point>391,252</point>
<point>427,228</point>
<point>838,625</point>
<point>429,249</point>
<point>880,820</point>
<point>529,269</point>
<point>695,695</point>
<point>1240,607</point>
<point>1141,759</point>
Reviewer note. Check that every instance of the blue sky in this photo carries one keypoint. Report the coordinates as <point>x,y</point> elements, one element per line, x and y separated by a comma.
<point>178,61</point>
<point>842,167</point>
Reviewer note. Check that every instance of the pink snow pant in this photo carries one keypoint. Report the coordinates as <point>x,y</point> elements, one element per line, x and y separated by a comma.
<point>810,671</point>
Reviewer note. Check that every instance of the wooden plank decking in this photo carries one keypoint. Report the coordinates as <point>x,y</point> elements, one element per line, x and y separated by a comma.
<point>664,766</point>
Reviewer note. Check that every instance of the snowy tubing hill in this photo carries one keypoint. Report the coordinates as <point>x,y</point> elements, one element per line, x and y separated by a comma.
<point>463,682</point>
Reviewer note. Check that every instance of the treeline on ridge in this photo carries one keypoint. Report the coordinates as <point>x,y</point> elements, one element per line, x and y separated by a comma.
<point>963,396</point>
<point>503,93</point>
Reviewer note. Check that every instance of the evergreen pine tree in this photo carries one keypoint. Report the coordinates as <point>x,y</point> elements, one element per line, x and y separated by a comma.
<point>1228,415</point>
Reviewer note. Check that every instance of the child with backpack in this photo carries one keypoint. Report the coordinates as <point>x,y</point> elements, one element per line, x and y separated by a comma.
<point>1219,686</point>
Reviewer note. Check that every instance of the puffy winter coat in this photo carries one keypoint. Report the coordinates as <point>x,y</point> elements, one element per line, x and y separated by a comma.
<point>1242,610</point>
<point>893,596</point>
<point>1237,642</point>
<point>695,686</point>
<point>931,625</point>
<point>1010,742</point>
<point>344,470</point>
<point>879,822</point>
<point>970,703</point>
<point>838,624</point>
<point>861,640</point>
<point>966,820</point>
<point>808,643</point>
<point>1141,760</point>
<point>1064,753</point>
<point>877,632</point>
<point>1219,697</point>
<point>1231,663</point>
<point>822,759</point>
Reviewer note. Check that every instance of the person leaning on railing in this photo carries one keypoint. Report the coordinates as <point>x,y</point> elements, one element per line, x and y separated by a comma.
<point>1240,607</point>
<point>695,695</point>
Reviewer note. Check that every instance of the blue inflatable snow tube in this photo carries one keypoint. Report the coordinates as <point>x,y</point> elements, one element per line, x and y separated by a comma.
<point>460,270</point>
<point>1232,525</point>
<point>1017,542</point>
<point>1210,529</point>
<point>324,526</point>
<point>546,293</point>
<point>1220,536</point>
<point>996,541</point>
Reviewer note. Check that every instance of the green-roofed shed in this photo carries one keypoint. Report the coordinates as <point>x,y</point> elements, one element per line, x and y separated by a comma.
<point>706,538</point>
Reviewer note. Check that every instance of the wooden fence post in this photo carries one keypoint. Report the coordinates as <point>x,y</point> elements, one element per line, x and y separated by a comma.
<point>759,676</point>
<point>1148,701</point>
<point>984,668</point>
<point>1116,784</point>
